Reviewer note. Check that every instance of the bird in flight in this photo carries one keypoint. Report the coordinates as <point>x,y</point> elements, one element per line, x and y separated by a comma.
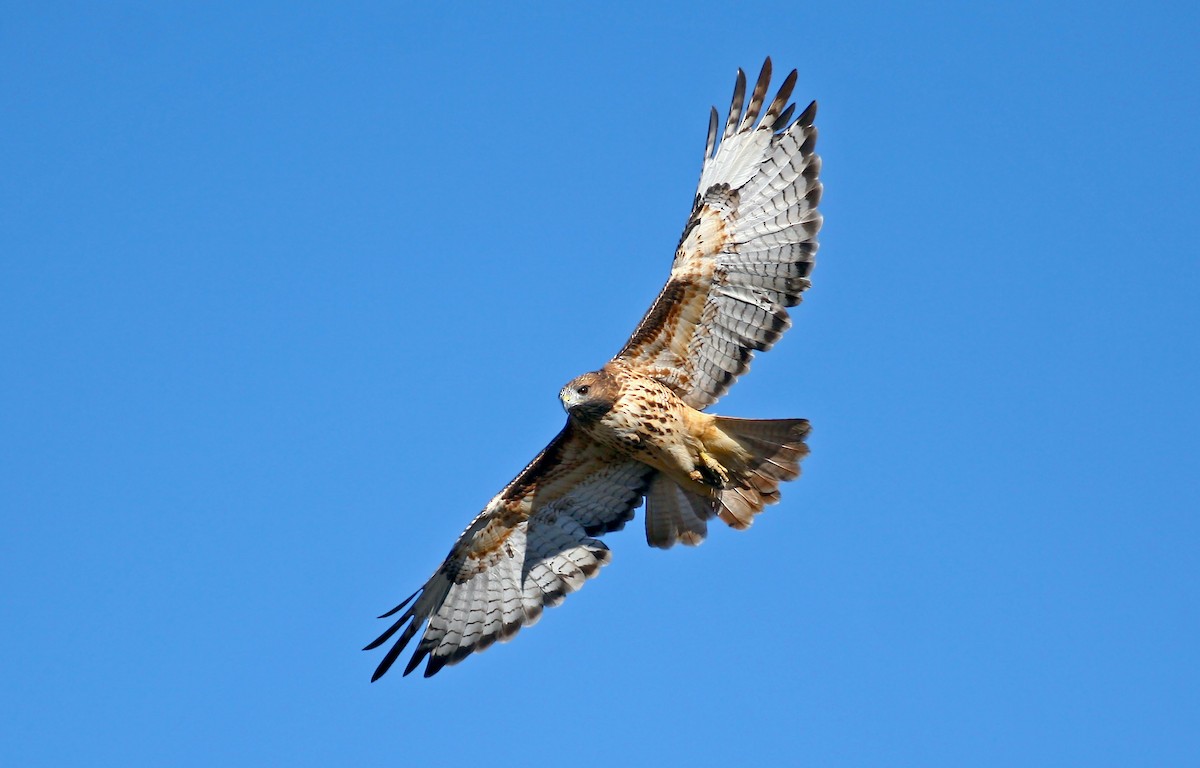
<point>636,428</point>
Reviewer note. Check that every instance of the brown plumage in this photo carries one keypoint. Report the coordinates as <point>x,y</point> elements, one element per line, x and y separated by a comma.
<point>732,467</point>
<point>636,427</point>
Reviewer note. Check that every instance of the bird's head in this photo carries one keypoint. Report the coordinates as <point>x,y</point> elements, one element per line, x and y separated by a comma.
<point>590,396</point>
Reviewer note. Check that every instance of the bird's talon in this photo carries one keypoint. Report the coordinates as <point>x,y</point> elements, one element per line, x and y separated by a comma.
<point>714,466</point>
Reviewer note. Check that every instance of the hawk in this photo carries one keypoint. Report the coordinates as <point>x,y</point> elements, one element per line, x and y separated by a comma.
<point>636,428</point>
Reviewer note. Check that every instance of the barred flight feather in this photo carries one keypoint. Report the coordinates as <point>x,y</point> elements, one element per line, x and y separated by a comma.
<point>755,217</point>
<point>530,547</point>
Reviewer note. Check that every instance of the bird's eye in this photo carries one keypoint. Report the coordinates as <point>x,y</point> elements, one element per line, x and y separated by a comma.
<point>583,390</point>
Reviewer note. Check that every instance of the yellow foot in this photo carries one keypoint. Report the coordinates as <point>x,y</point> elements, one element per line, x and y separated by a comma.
<point>710,472</point>
<point>715,466</point>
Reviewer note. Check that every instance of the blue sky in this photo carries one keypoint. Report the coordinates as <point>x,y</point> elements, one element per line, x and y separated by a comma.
<point>287,293</point>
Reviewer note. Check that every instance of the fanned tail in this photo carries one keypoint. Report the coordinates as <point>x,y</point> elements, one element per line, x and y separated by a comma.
<point>757,455</point>
<point>775,448</point>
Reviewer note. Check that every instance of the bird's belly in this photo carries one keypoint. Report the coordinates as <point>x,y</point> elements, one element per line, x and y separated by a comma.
<point>652,427</point>
<point>635,433</point>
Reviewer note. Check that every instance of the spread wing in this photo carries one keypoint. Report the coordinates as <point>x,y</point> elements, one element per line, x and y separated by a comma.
<point>529,548</point>
<point>745,253</point>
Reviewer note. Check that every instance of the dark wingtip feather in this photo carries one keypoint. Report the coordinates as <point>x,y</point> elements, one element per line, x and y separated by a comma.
<point>388,633</point>
<point>713,120</point>
<point>407,600</point>
<point>398,647</point>
<point>417,656</point>
<point>808,115</point>
<point>388,660</point>
<point>756,98</point>
<point>434,666</point>
<point>378,641</point>
<point>735,104</point>
<point>810,141</point>
<point>784,118</point>
<point>771,118</point>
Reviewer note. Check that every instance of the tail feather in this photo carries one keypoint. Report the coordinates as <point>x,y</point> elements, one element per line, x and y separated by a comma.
<point>674,515</point>
<point>775,448</point>
<point>768,452</point>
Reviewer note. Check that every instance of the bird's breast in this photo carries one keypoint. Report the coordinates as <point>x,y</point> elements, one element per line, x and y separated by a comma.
<point>643,420</point>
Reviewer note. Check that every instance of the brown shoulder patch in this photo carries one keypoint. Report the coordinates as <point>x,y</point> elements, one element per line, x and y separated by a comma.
<point>662,312</point>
